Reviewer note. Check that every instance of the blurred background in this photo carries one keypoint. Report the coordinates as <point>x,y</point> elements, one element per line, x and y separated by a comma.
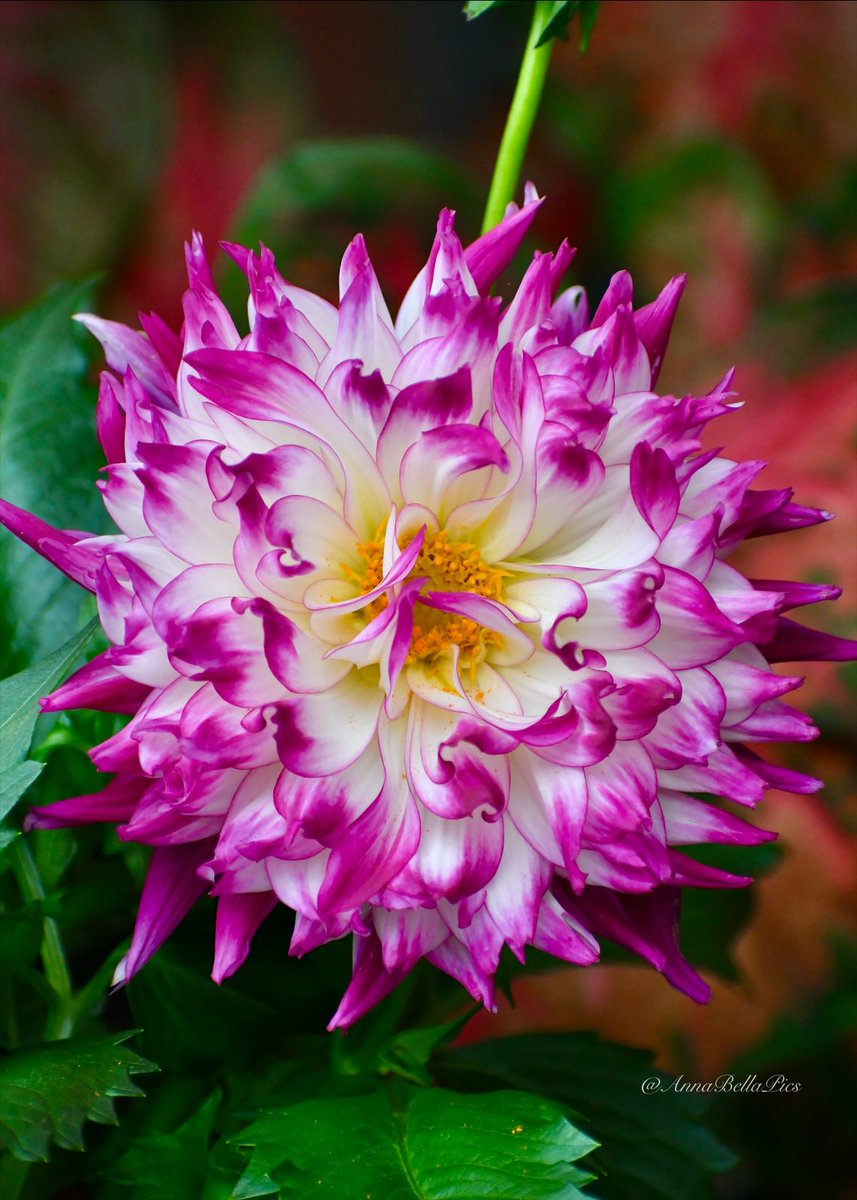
<point>717,137</point>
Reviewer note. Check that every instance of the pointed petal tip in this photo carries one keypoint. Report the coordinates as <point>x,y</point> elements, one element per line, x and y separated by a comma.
<point>491,253</point>
<point>120,975</point>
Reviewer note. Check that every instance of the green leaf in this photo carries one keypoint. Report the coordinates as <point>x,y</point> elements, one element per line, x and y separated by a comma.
<point>19,696</point>
<point>652,1146</point>
<point>405,1053</point>
<point>171,1166</point>
<point>407,1144</point>
<point>19,711</point>
<point>15,782</point>
<point>562,13</point>
<point>50,459</point>
<point>46,1094</point>
<point>408,1052</point>
<point>475,8</point>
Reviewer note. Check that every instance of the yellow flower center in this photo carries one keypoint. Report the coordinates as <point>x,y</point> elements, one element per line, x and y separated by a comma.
<point>450,567</point>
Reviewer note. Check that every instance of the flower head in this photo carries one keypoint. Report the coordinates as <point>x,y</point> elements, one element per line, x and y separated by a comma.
<point>425,626</point>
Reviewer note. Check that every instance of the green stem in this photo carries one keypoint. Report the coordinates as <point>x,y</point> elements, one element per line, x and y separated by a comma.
<point>61,1020</point>
<point>519,123</point>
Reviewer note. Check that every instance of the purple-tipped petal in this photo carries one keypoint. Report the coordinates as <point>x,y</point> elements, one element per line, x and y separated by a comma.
<point>490,254</point>
<point>646,924</point>
<point>100,686</point>
<point>238,918</point>
<point>654,322</point>
<point>372,850</point>
<point>116,802</point>
<point>79,562</point>
<point>654,487</point>
<point>370,983</point>
<point>796,643</point>
<point>171,889</point>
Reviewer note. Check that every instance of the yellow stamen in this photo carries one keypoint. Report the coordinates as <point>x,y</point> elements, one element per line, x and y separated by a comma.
<point>450,567</point>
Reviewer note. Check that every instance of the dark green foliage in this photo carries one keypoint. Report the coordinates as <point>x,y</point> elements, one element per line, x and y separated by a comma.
<point>50,462</point>
<point>48,1092</point>
<point>19,697</point>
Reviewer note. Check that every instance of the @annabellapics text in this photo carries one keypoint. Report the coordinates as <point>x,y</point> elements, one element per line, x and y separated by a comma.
<point>723,1083</point>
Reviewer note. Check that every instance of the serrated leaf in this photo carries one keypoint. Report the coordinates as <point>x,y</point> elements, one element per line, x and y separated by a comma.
<point>47,1093</point>
<point>652,1146</point>
<point>50,459</point>
<point>409,1144</point>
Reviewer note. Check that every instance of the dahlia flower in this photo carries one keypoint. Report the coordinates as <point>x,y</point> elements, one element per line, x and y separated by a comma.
<point>424,625</point>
